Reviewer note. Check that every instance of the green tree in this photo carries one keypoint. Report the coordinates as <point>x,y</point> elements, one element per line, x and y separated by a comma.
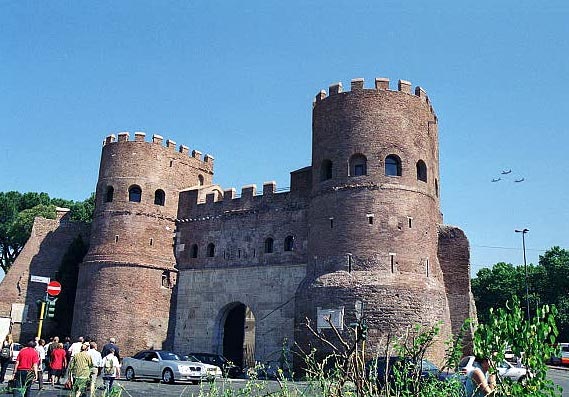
<point>492,288</point>
<point>17,214</point>
<point>555,284</point>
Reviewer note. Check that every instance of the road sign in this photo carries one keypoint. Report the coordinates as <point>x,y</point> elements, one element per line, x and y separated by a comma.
<point>39,279</point>
<point>53,288</point>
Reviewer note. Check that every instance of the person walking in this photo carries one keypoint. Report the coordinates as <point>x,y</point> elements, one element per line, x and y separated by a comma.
<point>57,363</point>
<point>6,356</point>
<point>111,345</point>
<point>76,346</point>
<point>80,370</point>
<point>111,370</point>
<point>50,347</point>
<point>40,343</point>
<point>97,365</point>
<point>26,370</point>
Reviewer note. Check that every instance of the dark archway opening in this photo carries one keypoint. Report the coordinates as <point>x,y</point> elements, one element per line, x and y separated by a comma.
<point>239,336</point>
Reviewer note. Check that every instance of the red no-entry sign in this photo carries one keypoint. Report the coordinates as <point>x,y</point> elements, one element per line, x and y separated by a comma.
<point>53,288</point>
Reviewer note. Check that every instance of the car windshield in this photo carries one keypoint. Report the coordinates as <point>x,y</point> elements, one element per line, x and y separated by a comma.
<point>429,366</point>
<point>192,358</point>
<point>169,356</point>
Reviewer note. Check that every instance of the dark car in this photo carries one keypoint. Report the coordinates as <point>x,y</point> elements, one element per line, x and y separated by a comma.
<point>376,369</point>
<point>229,369</point>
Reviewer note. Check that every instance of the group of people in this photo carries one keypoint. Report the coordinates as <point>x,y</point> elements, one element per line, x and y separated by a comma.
<point>80,362</point>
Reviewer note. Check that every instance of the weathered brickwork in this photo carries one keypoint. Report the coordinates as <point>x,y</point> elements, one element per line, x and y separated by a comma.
<point>126,279</point>
<point>41,256</point>
<point>174,256</point>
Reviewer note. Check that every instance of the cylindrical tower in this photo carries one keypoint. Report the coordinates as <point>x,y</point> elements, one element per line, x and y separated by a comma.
<point>374,211</point>
<point>125,282</point>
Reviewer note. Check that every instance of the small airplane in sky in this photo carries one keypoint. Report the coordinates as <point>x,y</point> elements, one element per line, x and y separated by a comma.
<point>505,172</point>
<point>496,179</point>
<point>520,180</point>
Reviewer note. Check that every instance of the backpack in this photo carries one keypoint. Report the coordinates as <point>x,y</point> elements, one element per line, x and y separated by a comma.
<point>5,352</point>
<point>109,368</point>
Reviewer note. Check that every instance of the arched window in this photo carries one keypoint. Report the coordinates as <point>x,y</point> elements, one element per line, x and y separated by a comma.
<point>358,165</point>
<point>159,197</point>
<point>109,195</point>
<point>269,245</point>
<point>134,194</point>
<point>392,165</point>
<point>211,250</point>
<point>421,171</point>
<point>325,170</point>
<point>200,180</point>
<point>289,243</point>
<point>194,251</point>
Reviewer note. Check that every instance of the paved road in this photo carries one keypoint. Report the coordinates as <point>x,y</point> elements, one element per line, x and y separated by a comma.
<point>154,389</point>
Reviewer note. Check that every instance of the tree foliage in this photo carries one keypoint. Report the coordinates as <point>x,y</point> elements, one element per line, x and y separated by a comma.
<point>17,214</point>
<point>547,284</point>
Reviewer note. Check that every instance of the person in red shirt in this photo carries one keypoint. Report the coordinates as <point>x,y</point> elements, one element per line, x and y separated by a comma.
<point>26,370</point>
<point>58,362</point>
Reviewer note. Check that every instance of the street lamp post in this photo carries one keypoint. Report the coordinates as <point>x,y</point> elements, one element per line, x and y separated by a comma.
<point>523,232</point>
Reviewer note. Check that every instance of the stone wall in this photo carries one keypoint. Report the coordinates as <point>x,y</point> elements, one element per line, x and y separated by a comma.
<point>454,257</point>
<point>205,297</point>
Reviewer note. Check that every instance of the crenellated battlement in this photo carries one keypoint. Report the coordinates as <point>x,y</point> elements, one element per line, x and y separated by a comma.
<point>215,202</point>
<point>381,84</point>
<point>158,140</point>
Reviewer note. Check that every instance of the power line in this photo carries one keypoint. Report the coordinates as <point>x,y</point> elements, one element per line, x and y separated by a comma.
<point>508,248</point>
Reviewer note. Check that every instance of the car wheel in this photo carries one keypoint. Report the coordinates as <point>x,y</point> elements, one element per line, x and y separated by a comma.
<point>168,376</point>
<point>129,373</point>
<point>195,382</point>
<point>522,381</point>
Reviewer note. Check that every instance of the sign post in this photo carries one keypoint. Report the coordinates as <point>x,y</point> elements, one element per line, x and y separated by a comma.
<point>53,289</point>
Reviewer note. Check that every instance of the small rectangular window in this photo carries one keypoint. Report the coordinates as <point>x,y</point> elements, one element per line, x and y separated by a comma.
<point>239,253</point>
<point>254,252</point>
<point>151,242</point>
<point>410,222</point>
<point>331,223</point>
<point>427,266</point>
<point>116,238</point>
<point>392,262</point>
<point>370,219</point>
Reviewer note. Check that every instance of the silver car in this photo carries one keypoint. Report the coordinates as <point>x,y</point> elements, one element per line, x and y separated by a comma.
<point>505,369</point>
<point>168,367</point>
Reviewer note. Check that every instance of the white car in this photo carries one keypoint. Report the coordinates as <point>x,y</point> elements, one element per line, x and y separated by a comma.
<point>168,367</point>
<point>505,369</point>
<point>16,347</point>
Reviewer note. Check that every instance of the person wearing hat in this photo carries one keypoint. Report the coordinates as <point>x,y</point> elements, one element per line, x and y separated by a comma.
<point>80,370</point>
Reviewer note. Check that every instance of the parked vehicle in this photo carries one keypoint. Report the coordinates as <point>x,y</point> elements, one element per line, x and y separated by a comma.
<point>228,369</point>
<point>168,367</point>
<point>16,347</point>
<point>505,369</point>
<point>564,353</point>
<point>376,369</point>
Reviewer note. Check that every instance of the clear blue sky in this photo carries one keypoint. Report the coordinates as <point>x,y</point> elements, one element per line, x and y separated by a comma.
<point>236,80</point>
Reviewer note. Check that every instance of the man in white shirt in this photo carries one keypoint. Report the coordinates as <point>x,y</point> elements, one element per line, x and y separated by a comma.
<point>40,343</point>
<point>76,347</point>
<point>97,365</point>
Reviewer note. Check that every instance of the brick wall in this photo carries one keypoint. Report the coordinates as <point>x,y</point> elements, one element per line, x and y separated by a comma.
<point>41,256</point>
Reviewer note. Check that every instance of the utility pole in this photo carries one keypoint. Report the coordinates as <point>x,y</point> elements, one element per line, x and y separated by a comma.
<point>523,232</point>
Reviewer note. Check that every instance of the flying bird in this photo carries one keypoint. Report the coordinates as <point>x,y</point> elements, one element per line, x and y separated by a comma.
<point>505,172</point>
<point>496,179</point>
<point>520,180</point>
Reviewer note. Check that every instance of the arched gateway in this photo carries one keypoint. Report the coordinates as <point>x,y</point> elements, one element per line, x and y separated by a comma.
<point>236,334</point>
